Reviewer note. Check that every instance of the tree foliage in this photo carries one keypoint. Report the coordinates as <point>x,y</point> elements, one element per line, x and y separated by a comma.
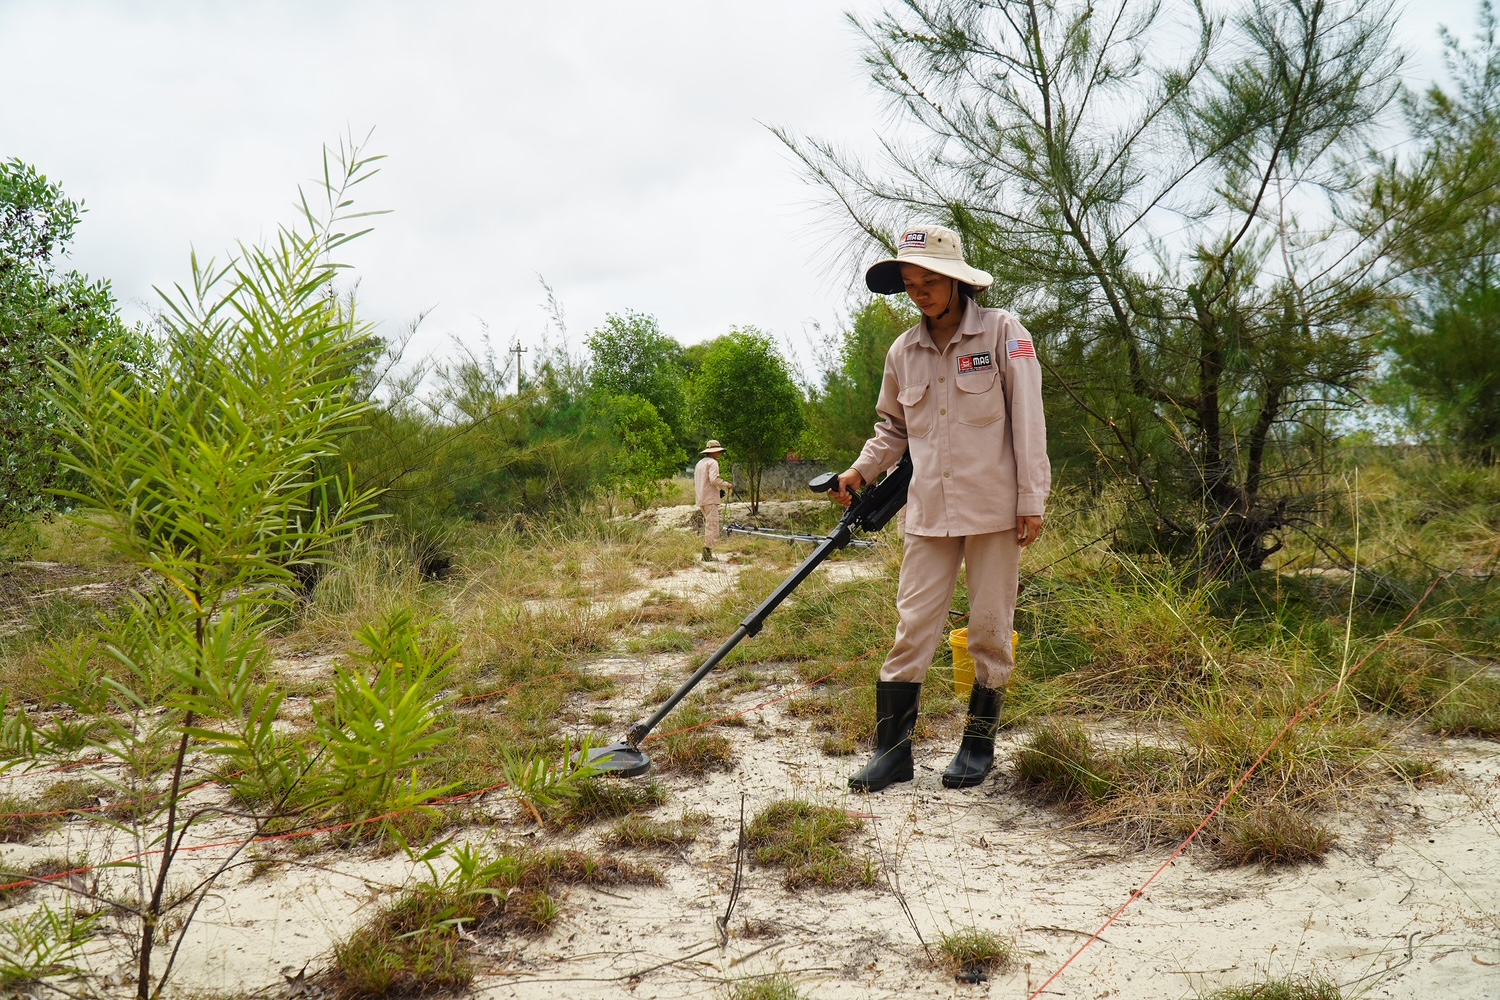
<point>745,396</point>
<point>633,357</point>
<point>1165,219</point>
<point>46,313</point>
<point>451,441</point>
<point>642,449</point>
<point>841,410</point>
<point>1442,206</point>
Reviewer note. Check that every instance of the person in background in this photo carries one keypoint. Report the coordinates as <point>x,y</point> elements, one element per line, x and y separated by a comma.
<point>962,391</point>
<point>710,490</point>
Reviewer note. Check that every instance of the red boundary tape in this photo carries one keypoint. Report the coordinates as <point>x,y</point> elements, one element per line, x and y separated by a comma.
<point>1304,713</point>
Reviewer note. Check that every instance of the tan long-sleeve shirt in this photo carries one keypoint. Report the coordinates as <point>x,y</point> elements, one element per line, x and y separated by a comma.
<point>706,481</point>
<point>971,416</point>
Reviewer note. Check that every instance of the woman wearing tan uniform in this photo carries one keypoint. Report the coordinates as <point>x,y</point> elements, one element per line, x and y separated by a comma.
<point>709,488</point>
<point>962,392</point>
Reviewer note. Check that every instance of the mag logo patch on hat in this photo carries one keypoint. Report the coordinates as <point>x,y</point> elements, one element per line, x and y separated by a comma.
<point>914,240</point>
<point>975,362</point>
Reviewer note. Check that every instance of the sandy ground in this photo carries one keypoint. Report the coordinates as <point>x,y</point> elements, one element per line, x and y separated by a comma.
<point>773,514</point>
<point>1407,906</point>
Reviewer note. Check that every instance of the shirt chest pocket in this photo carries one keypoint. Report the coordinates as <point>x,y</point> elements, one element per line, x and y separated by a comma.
<point>916,404</point>
<point>980,399</point>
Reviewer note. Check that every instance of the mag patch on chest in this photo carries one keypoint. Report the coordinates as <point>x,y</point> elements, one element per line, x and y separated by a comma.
<point>975,362</point>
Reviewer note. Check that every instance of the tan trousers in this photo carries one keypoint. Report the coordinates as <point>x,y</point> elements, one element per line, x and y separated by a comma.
<point>710,524</point>
<point>929,574</point>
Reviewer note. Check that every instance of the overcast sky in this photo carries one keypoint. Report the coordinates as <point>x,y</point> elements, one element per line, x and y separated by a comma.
<point>617,149</point>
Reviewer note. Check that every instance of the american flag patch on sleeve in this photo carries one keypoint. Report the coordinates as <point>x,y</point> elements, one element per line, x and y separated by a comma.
<point>1019,349</point>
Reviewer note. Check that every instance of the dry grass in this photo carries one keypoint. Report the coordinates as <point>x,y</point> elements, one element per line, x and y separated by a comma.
<point>1156,795</point>
<point>413,945</point>
<point>642,833</point>
<point>22,819</point>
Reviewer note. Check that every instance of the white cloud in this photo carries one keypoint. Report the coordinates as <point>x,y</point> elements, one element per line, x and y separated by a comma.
<point>615,148</point>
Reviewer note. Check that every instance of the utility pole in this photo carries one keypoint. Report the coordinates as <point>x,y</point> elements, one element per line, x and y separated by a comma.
<point>518,350</point>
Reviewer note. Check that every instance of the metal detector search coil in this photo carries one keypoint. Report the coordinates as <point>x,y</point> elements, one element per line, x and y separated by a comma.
<point>870,511</point>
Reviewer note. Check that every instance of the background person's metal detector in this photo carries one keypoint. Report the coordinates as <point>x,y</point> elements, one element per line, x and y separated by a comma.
<point>868,512</point>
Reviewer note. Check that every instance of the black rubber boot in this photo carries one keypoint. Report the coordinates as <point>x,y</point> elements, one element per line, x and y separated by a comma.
<point>976,754</point>
<point>895,718</point>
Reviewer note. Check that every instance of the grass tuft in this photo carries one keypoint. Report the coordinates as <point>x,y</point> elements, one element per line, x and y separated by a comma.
<point>970,951</point>
<point>777,986</point>
<point>1059,765</point>
<point>640,832</point>
<point>1272,835</point>
<point>597,799</point>
<point>413,945</point>
<point>1289,988</point>
<point>692,747</point>
<point>810,842</point>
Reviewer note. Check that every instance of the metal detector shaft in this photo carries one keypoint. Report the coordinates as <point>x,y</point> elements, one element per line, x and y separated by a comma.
<point>738,529</point>
<point>836,540</point>
<point>869,510</point>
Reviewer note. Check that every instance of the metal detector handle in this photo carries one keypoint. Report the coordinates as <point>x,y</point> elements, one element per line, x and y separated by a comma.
<point>877,503</point>
<point>829,482</point>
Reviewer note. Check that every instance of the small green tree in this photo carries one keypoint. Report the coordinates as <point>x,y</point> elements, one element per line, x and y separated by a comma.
<point>841,411</point>
<point>633,357</point>
<point>745,394</point>
<point>1443,207</point>
<point>46,313</point>
<point>215,475</point>
<point>642,449</point>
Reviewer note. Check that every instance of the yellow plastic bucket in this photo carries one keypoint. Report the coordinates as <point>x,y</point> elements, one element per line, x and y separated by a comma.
<point>963,663</point>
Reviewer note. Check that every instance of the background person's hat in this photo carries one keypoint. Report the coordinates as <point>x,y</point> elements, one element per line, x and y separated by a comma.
<point>932,247</point>
<point>712,446</point>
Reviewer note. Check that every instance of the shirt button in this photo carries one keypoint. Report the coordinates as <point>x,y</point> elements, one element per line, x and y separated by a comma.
<point>943,412</point>
<point>941,378</point>
<point>947,475</point>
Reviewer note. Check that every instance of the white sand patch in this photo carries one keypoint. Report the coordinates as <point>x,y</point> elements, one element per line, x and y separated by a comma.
<point>1417,874</point>
<point>702,583</point>
<point>772,513</point>
<point>986,858</point>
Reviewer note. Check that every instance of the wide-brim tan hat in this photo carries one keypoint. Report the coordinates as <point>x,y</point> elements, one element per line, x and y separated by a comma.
<point>712,448</point>
<point>932,247</point>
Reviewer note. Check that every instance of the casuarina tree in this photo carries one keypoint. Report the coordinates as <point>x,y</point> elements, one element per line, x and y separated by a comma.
<point>1442,206</point>
<point>744,392</point>
<point>1159,193</point>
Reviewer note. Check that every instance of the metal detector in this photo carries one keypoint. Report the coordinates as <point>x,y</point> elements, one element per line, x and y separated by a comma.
<point>869,512</point>
<point>740,529</point>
